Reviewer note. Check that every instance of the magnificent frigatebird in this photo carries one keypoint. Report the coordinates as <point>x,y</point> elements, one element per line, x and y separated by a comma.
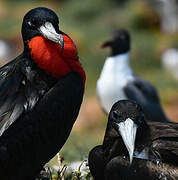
<point>41,92</point>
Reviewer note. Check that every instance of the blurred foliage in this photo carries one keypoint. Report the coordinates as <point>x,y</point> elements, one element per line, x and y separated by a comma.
<point>78,145</point>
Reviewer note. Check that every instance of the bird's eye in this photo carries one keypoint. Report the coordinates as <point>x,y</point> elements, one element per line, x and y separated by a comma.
<point>29,23</point>
<point>32,22</point>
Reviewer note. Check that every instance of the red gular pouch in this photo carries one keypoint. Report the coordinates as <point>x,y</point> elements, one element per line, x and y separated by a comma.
<point>49,57</point>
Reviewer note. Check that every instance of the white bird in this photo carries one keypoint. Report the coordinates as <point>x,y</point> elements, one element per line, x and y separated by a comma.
<point>117,80</point>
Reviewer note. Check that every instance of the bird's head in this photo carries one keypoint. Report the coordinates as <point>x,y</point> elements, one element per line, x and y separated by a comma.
<point>119,42</point>
<point>42,21</point>
<point>126,117</point>
<point>51,49</point>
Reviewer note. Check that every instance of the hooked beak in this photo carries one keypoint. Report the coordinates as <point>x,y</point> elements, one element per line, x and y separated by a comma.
<point>48,31</point>
<point>127,130</point>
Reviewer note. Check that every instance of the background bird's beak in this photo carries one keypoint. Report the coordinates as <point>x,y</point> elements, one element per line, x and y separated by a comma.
<point>106,44</point>
<point>48,31</point>
<point>127,130</point>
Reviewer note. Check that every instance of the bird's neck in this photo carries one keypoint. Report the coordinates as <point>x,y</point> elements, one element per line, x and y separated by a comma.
<point>113,144</point>
<point>119,64</point>
<point>142,138</point>
<point>49,57</point>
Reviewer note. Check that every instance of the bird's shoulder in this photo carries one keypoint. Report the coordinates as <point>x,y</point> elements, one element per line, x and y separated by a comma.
<point>141,87</point>
<point>164,141</point>
<point>20,89</point>
<point>163,130</point>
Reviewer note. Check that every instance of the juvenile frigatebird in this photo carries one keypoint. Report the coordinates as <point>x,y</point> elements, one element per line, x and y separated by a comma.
<point>135,148</point>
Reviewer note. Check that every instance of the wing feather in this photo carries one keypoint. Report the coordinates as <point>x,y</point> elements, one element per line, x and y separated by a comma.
<point>19,92</point>
<point>165,141</point>
<point>146,95</point>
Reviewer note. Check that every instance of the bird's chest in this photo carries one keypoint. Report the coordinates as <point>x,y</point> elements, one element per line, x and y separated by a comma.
<point>49,57</point>
<point>110,87</point>
<point>114,83</point>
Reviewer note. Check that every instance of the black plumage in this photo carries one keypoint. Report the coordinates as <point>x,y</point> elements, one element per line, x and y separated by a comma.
<point>120,168</point>
<point>38,135</point>
<point>22,85</point>
<point>146,95</point>
<point>119,42</point>
<point>155,146</point>
<point>37,110</point>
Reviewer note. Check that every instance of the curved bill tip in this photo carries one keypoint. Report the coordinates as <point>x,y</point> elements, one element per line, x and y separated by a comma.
<point>48,31</point>
<point>106,44</point>
<point>128,131</point>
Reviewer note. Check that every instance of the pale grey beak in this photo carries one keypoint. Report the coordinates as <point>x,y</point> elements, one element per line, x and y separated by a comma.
<point>128,131</point>
<point>48,31</point>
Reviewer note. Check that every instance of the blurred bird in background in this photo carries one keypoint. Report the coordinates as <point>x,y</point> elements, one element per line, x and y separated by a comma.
<point>117,80</point>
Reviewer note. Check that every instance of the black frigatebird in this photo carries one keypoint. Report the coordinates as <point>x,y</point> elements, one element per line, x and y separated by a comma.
<point>41,92</point>
<point>134,148</point>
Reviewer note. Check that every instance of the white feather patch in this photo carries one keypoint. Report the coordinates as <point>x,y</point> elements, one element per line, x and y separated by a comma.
<point>128,131</point>
<point>116,73</point>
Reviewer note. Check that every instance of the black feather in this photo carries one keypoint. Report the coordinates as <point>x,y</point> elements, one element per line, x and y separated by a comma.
<point>159,141</point>
<point>38,135</point>
<point>20,89</point>
<point>146,95</point>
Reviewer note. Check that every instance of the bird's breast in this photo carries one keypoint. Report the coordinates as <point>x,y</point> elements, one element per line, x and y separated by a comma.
<point>110,88</point>
<point>49,57</point>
